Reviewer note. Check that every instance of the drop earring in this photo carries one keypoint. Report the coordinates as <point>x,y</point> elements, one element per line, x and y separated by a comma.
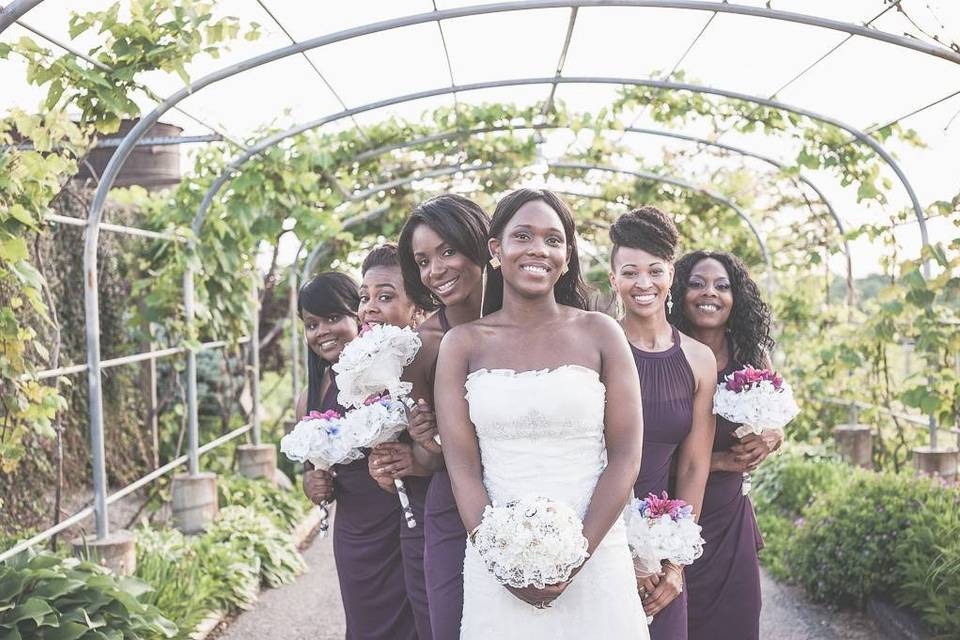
<point>495,262</point>
<point>670,303</point>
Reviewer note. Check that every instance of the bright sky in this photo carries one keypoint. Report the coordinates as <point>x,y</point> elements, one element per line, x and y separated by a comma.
<point>863,82</point>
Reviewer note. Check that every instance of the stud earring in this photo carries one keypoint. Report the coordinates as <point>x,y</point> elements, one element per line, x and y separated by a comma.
<point>495,262</point>
<point>670,303</point>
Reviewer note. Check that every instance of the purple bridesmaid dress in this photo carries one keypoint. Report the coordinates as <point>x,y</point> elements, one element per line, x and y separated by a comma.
<point>411,548</point>
<point>366,548</point>
<point>667,385</point>
<point>445,542</point>
<point>724,583</point>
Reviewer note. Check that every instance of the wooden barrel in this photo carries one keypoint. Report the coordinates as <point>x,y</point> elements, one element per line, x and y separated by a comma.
<point>152,167</point>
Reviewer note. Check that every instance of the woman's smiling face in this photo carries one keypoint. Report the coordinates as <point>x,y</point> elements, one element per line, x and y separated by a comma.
<point>447,273</point>
<point>327,335</point>
<point>709,297</point>
<point>642,280</point>
<point>532,249</point>
<point>383,299</point>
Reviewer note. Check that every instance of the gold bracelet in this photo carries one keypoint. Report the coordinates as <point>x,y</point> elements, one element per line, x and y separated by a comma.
<point>472,536</point>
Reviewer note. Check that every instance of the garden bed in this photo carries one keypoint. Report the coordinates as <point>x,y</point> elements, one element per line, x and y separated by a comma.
<point>849,537</point>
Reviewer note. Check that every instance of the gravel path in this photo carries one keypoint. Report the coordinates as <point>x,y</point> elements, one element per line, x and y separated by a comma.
<point>310,609</point>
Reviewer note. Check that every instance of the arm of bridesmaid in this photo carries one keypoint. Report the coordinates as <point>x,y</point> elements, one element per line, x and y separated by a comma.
<point>422,427</point>
<point>695,453</point>
<point>461,450</point>
<point>622,427</point>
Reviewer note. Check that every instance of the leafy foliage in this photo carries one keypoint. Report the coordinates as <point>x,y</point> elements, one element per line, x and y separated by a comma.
<point>46,596</point>
<point>845,534</point>
<point>285,508</point>
<point>255,535</point>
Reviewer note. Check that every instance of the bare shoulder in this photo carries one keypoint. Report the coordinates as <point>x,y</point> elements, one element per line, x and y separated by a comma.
<point>700,357</point>
<point>458,339</point>
<point>599,325</point>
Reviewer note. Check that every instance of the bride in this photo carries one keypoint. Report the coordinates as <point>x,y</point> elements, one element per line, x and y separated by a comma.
<point>537,370</point>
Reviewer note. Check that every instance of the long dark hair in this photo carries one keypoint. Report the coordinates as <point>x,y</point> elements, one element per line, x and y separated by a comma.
<point>326,294</point>
<point>748,328</point>
<point>570,289</point>
<point>459,221</point>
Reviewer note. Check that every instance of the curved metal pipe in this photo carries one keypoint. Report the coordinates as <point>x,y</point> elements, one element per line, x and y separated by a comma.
<point>12,12</point>
<point>373,153</point>
<point>661,84</point>
<point>685,185</point>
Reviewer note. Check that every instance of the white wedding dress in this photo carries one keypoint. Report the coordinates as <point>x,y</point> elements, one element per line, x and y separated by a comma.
<point>541,433</point>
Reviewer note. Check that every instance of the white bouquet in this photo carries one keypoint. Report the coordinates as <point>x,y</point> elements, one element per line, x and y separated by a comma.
<point>319,438</point>
<point>757,399</point>
<point>660,529</point>
<point>380,420</point>
<point>372,363</point>
<point>531,541</point>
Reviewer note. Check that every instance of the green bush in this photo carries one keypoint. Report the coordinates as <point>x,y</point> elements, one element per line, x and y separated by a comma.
<point>846,547</point>
<point>255,535</point>
<point>182,590</point>
<point>193,577</point>
<point>45,596</point>
<point>285,508</point>
<point>783,486</point>
<point>928,563</point>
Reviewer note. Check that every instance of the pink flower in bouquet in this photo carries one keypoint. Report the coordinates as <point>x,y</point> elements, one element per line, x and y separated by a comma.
<point>654,507</point>
<point>329,414</point>
<point>748,377</point>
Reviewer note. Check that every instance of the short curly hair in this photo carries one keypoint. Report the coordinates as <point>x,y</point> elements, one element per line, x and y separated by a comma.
<point>646,228</point>
<point>748,327</point>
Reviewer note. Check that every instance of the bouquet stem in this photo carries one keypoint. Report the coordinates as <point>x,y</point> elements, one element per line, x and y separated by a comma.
<point>747,483</point>
<point>405,503</point>
<point>324,519</point>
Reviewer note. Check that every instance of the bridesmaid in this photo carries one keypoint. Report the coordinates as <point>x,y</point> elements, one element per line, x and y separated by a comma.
<point>384,300</point>
<point>366,529</point>
<point>443,249</point>
<point>677,381</point>
<point>719,305</point>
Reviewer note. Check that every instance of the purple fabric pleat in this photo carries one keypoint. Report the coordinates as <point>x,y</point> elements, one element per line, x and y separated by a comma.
<point>667,385</point>
<point>366,548</point>
<point>724,583</point>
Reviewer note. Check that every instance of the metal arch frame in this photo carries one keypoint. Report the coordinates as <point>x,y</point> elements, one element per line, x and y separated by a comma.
<point>644,175</point>
<point>371,215</point>
<point>366,155</point>
<point>570,165</point>
<point>91,297</point>
<point>12,12</point>
<point>270,141</point>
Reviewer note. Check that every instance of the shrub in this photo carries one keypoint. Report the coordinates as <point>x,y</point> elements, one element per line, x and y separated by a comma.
<point>783,486</point>
<point>846,546</point>
<point>285,508</point>
<point>193,577</point>
<point>48,596</point>
<point>255,535</point>
<point>928,563</point>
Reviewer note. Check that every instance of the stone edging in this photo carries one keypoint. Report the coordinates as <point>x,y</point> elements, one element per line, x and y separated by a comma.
<point>301,533</point>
